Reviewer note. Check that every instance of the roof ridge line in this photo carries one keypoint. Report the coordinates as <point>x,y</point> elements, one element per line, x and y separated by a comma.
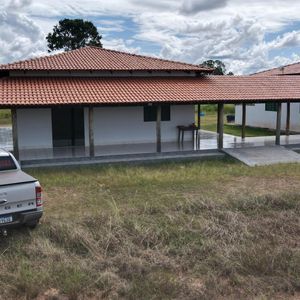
<point>104,49</point>
<point>145,56</point>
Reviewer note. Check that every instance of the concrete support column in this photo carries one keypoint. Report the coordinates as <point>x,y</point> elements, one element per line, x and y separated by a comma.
<point>220,125</point>
<point>198,126</point>
<point>199,110</point>
<point>278,124</point>
<point>218,129</point>
<point>14,120</point>
<point>288,118</point>
<point>91,131</point>
<point>158,128</point>
<point>244,112</point>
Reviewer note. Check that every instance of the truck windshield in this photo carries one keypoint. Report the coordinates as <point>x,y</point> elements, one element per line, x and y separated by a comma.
<point>7,163</point>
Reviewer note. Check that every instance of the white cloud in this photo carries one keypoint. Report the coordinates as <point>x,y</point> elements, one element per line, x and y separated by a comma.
<point>17,4</point>
<point>20,37</point>
<point>289,39</point>
<point>188,30</point>
<point>230,39</point>
<point>121,45</point>
<point>108,26</point>
<point>237,39</point>
<point>192,7</point>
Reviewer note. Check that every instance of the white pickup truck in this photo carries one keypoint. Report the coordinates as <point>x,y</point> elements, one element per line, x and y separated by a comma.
<point>20,195</point>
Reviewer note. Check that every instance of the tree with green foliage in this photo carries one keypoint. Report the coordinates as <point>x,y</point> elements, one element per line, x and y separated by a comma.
<point>218,66</point>
<point>72,34</point>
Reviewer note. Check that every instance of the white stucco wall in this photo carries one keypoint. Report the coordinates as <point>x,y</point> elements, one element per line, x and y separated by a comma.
<point>257,116</point>
<point>125,125</point>
<point>34,128</point>
<point>112,125</point>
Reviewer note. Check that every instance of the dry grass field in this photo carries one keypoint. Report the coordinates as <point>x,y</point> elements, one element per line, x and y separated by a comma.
<point>212,229</point>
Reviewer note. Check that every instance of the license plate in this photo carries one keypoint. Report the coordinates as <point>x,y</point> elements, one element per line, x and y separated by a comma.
<point>6,219</point>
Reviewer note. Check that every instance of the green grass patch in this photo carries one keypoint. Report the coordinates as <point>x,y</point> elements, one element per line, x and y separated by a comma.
<point>211,229</point>
<point>209,122</point>
<point>5,117</point>
<point>213,108</point>
<point>249,132</point>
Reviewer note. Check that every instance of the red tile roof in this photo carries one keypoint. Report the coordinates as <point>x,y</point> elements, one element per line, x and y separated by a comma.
<point>292,69</point>
<point>24,91</point>
<point>98,59</point>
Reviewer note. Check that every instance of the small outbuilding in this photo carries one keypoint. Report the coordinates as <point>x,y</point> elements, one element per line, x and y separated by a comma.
<point>263,114</point>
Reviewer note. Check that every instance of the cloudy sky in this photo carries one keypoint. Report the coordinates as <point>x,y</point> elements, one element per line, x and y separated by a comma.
<point>247,35</point>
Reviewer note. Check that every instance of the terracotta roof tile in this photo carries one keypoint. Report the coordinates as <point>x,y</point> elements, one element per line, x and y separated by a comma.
<point>291,69</point>
<point>23,91</point>
<point>99,59</point>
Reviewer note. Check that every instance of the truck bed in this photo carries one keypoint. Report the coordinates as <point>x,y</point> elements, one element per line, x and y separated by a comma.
<point>15,177</point>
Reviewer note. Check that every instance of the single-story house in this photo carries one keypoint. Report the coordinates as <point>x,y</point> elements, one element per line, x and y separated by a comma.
<point>92,98</point>
<point>263,114</point>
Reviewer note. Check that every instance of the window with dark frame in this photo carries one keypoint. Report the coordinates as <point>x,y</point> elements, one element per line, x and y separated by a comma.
<point>271,106</point>
<point>151,110</point>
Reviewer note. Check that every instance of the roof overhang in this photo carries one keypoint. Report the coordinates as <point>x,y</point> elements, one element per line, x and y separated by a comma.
<point>45,92</point>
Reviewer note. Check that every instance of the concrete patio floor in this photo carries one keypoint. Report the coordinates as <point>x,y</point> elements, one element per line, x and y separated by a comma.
<point>261,156</point>
<point>208,141</point>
